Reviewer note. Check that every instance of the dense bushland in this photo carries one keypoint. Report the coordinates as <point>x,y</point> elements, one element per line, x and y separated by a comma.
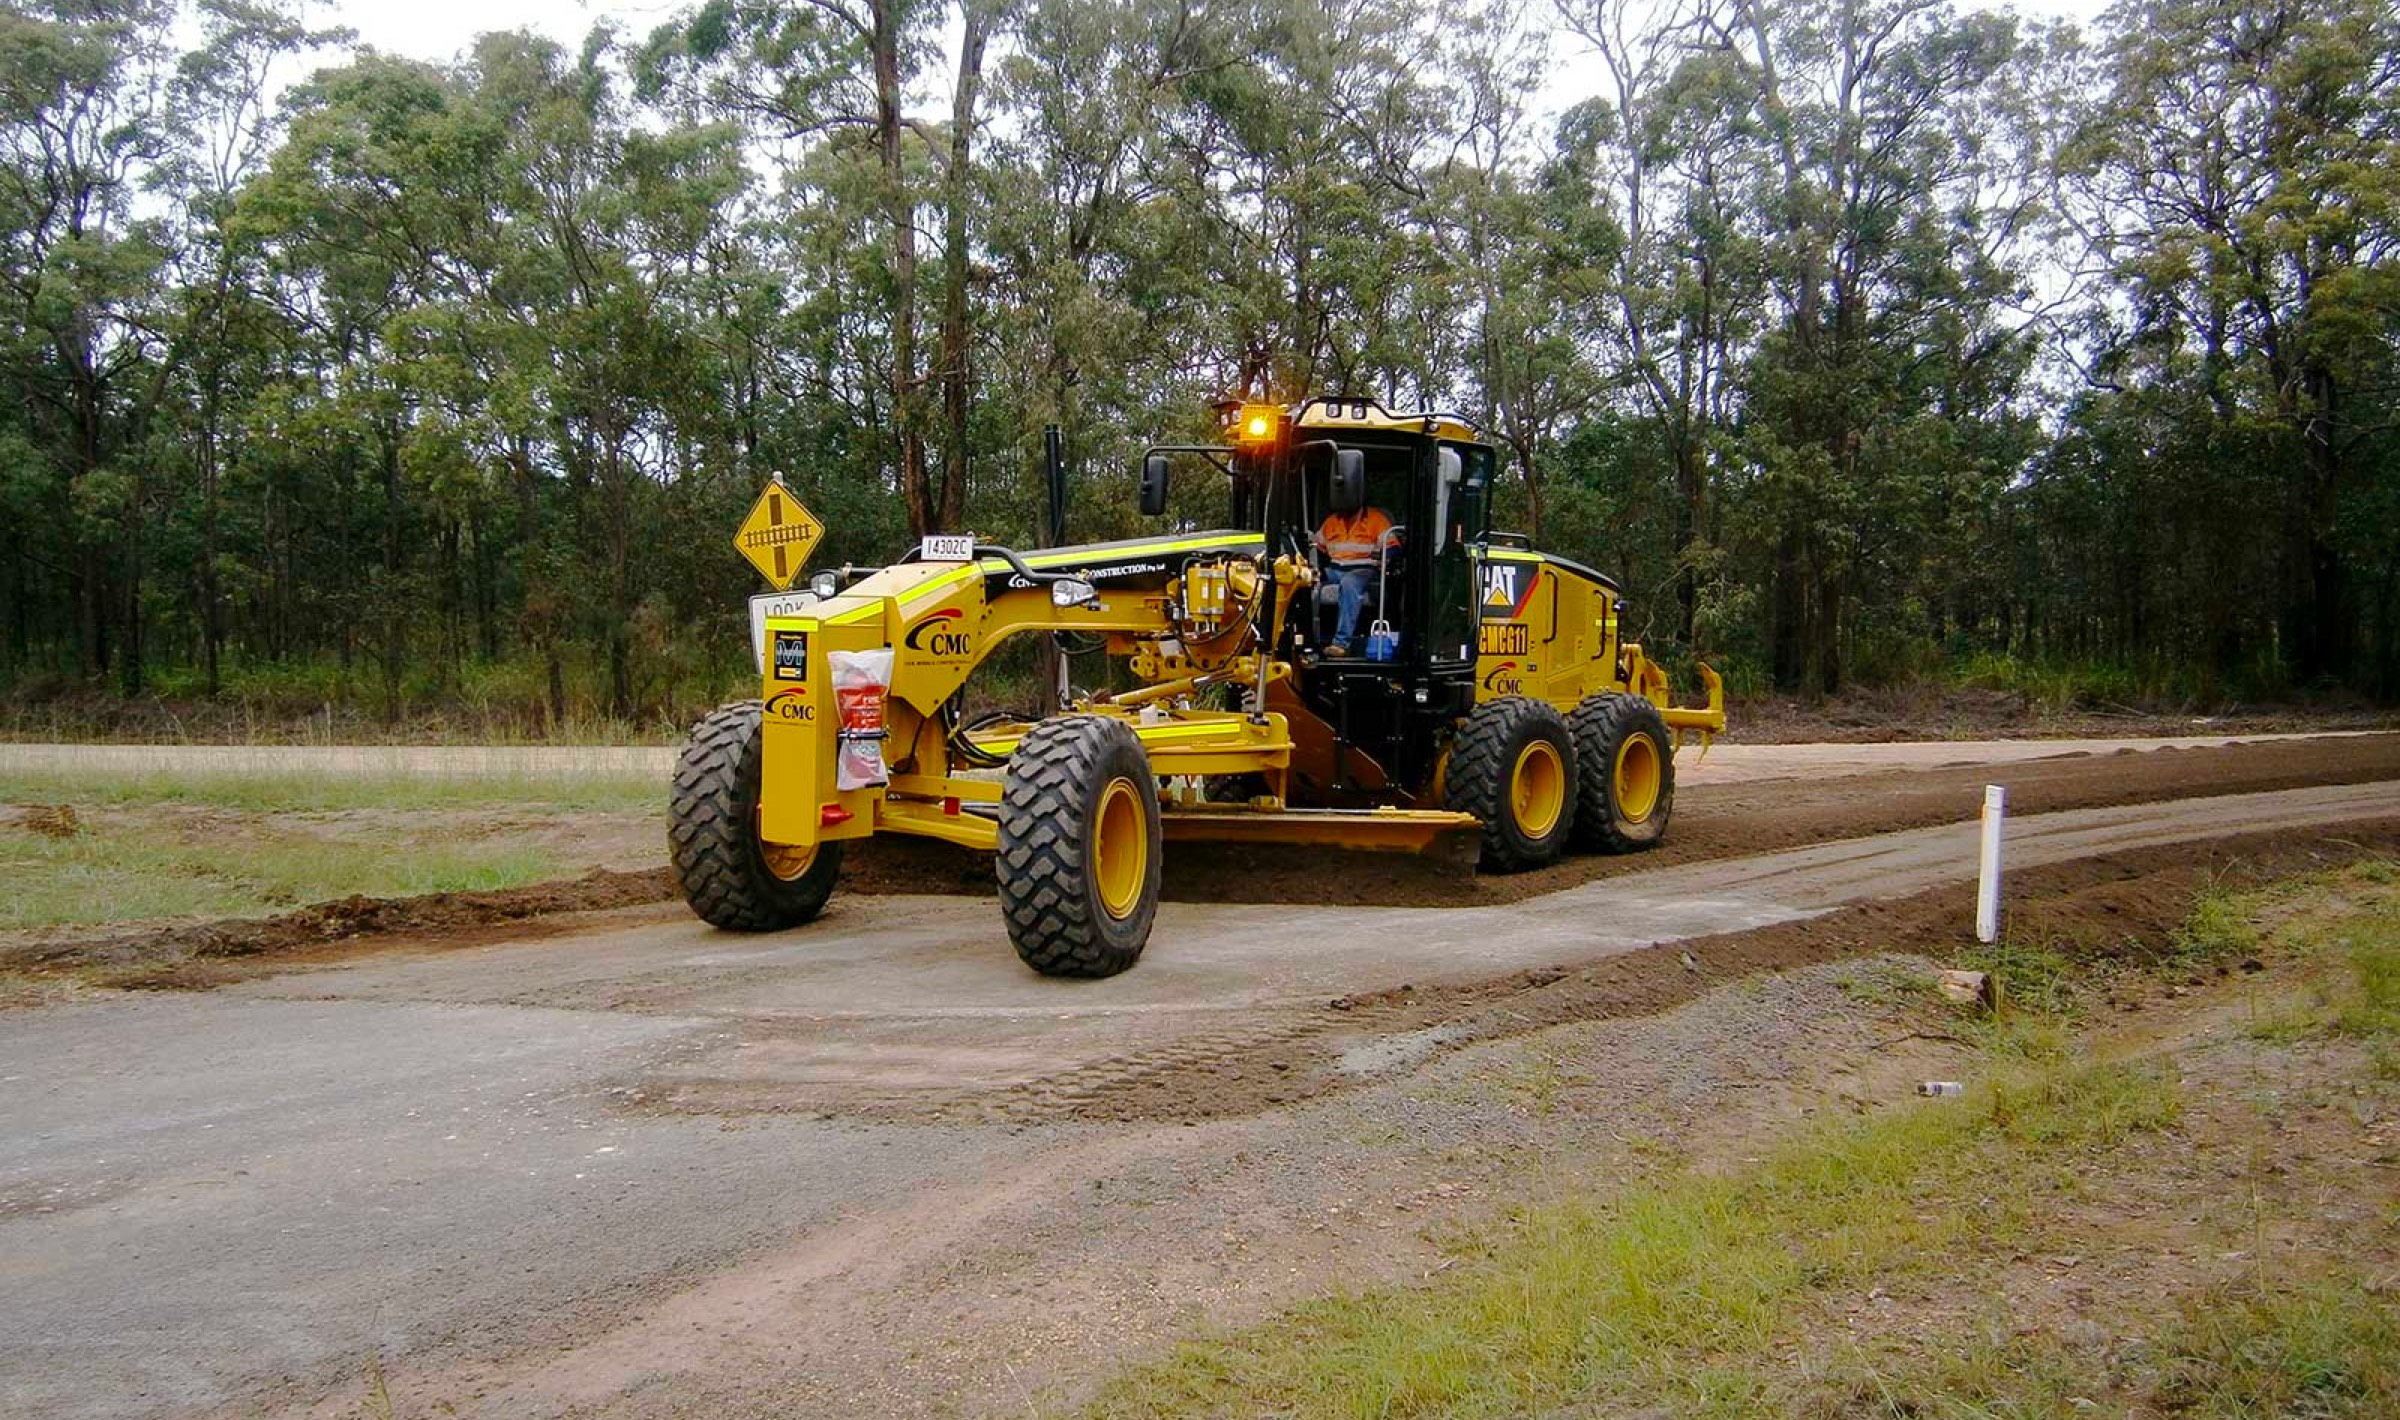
<point>1868,340</point>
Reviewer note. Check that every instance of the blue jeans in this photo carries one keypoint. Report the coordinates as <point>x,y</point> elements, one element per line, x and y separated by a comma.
<point>1353,584</point>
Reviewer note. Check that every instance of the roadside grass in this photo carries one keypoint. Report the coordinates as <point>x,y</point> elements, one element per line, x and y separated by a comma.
<point>105,875</point>
<point>1712,1295</point>
<point>1670,1293</point>
<point>233,844</point>
<point>2321,1349</point>
<point>2348,942</point>
<point>337,792</point>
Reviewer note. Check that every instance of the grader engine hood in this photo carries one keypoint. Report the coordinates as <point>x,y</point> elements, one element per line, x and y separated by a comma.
<point>1135,564</point>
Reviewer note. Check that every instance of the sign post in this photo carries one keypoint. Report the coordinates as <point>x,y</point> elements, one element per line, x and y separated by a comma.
<point>1987,885</point>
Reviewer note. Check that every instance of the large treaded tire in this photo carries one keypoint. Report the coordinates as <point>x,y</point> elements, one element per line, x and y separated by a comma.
<point>1602,725</point>
<point>1050,810</point>
<point>1479,779</point>
<point>713,850</point>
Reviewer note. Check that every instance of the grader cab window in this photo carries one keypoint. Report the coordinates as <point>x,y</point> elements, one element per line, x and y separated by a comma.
<point>1461,496</point>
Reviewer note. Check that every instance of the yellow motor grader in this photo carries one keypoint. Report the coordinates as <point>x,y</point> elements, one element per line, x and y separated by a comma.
<point>1492,694</point>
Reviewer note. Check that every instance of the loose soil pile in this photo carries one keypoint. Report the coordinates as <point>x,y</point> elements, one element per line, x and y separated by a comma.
<point>1923,712</point>
<point>1711,822</point>
<point>2116,909</point>
<point>169,956</point>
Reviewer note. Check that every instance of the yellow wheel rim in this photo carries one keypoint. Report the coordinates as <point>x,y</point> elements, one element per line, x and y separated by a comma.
<point>788,861</point>
<point>1537,790</point>
<point>1638,774</point>
<point>1120,848</point>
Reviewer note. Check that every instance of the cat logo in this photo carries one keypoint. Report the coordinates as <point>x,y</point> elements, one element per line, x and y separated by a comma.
<point>1507,587</point>
<point>938,636</point>
<point>1503,680</point>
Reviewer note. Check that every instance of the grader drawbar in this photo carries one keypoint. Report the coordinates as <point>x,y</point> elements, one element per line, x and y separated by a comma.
<point>1496,697</point>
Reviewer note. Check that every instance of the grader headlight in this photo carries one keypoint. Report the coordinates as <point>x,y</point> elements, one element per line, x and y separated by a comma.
<point>1258,426</point>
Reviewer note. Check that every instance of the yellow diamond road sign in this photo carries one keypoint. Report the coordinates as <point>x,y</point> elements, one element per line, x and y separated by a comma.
<point>778,535</point>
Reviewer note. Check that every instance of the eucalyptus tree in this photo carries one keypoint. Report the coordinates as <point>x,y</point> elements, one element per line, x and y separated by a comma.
<point>815,80</point>
<point>2240,178</point>
<point>1673,146</point>
<point>1886,343</point>
<point>1528,245</point>
<point>221,128</point>
<point>83,98</point>
<point>376,221</point>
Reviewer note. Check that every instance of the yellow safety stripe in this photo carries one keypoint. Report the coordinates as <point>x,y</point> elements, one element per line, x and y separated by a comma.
<point>1235,733</point>
<point>951,581</point>
<point>1068,558</point>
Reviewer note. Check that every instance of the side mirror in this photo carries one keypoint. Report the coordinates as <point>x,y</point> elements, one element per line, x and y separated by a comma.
<point>1349,480</point>
<point>1154,485</point>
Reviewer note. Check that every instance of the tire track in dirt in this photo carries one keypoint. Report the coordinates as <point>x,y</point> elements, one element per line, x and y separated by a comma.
<point>1711,822</point>
<point>2112,906</point>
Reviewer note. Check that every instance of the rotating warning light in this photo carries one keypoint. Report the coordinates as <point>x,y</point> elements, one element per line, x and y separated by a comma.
<point>1258,423</point>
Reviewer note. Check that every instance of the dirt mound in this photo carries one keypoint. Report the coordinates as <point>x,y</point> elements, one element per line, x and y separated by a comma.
<point>1711,822</point>
<point>51,820</point>
<point>2119,906</point>
<point>1923,712</point>
<point>179,955</point>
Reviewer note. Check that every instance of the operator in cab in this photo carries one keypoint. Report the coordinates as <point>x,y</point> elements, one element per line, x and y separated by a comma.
<point>1353,546</point>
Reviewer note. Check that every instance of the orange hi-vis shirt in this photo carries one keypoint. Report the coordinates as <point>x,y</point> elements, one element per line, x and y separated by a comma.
<point>1356,539</point>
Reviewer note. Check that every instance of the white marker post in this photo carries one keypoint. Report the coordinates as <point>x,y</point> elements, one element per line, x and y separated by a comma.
<point>1987,886</point>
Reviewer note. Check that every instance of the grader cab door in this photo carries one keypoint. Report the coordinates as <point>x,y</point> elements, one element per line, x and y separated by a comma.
<point>1457,514</point>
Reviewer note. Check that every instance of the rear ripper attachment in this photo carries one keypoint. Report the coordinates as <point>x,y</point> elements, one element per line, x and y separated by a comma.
<point>1496,699</point>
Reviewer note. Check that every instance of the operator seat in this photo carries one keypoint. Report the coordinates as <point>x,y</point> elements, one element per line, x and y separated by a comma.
<point>1326,605</point>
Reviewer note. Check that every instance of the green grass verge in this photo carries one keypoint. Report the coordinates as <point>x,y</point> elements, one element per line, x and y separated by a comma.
<point>338,792</point>
<point>2318,1350</point>
<point>1669,1295</point>
<point>228,844</point>
<point>103,876</point>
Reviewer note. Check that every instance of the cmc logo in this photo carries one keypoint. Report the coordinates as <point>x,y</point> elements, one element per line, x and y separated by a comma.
<point>791,705</point>
<point>938,635</point>
<point>1503,681</point>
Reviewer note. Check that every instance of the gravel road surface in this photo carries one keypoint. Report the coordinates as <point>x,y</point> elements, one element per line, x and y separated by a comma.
<point>521,1174</point>
<point>1724,763</point>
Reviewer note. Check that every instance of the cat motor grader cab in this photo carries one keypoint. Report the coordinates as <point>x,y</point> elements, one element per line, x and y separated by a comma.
<point>1496,697</point>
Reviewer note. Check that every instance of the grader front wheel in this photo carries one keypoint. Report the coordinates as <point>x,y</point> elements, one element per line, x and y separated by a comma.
<point>1079,847</point>
<point>732,878</point>
<point>1627,759</point>
<point>1513,766</point>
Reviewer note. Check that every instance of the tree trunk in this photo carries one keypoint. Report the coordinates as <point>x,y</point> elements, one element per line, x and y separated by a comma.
<point>1690,490</point>
<point>2319,627</point>
<point>394,652</point>
<point>212,596</point>
<point>957,343</point>
<point>1786,636</point>
<point>915,489</point>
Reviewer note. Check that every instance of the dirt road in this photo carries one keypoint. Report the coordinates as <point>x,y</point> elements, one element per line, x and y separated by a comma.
<point>872,1167</point>
<point>1724,764</point>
